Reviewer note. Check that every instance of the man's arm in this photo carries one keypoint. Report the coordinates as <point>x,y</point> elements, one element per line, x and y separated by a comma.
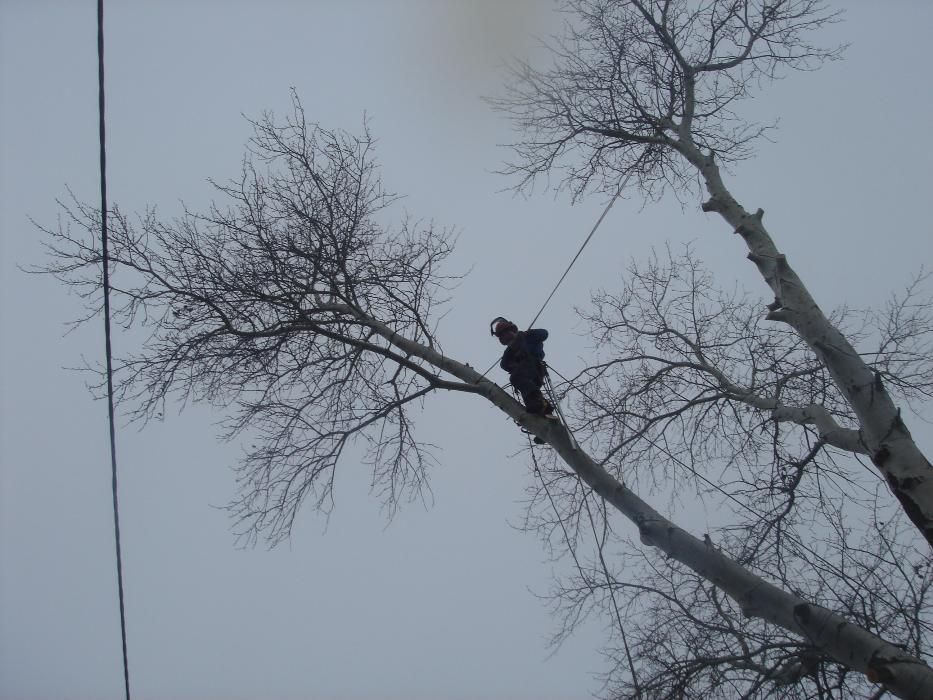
<point>536,335</point>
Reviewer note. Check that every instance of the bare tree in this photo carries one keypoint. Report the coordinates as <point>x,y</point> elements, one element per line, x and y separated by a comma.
<point>689,393</point>
<point>256,304</point>
<point>296,307</point>
<point>697,392</point>
<point>650,88</point>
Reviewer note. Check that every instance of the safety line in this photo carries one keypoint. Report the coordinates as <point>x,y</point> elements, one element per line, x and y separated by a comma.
<point>566,272</point>
<point>602,560</point>
<point>560,520</point>
<point>593,231</point>
<point>107,334</point>
<point>609,583</point>
<point>574,445</point>
<point>494,363</point>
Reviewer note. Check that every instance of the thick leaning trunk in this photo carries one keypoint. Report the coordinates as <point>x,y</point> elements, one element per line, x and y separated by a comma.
<point>850,645</point>
<point>887,440</point>
<point>902,674</point>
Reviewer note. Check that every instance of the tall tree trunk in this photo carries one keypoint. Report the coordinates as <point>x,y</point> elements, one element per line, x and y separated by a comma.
<point>892,448</point>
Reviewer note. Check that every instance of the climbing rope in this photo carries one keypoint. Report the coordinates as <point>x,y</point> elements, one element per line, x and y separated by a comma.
<point>575,257</point>
<point>585,242</point>
<point>602,560</point>
<point>107,334</point>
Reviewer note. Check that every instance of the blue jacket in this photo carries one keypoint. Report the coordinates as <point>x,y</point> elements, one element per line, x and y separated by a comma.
<point>525,353</point>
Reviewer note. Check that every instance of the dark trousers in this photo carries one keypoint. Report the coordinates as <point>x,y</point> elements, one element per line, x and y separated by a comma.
<point>527,382</point>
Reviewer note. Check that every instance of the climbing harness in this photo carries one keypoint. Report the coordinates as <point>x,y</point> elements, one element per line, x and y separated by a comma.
<point>550,395</point>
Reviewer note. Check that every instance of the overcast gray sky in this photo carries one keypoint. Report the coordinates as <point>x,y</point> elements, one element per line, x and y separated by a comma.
<point>440,603</point>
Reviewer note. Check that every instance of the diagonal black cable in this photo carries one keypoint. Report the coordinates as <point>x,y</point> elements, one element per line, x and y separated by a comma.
<point>106,266</point>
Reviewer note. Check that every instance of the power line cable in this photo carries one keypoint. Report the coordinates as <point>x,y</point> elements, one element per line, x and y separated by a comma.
<point>107,334</point>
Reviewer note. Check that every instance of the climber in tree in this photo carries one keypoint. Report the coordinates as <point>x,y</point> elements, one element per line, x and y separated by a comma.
<point>523,359</point>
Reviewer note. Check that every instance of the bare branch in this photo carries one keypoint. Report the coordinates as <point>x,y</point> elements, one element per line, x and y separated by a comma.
<point>631,81</point>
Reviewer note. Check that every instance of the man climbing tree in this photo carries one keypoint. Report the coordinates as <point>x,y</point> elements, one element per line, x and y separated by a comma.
<point>523,359</point>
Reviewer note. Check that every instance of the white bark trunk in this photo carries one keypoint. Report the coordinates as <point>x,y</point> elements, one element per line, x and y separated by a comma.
<point>886,438</point>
